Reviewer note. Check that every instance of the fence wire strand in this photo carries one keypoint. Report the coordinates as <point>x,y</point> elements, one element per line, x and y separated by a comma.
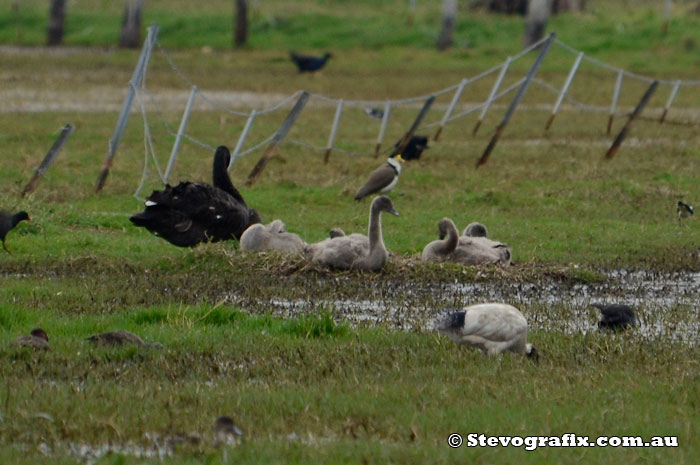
<point>145,97</point>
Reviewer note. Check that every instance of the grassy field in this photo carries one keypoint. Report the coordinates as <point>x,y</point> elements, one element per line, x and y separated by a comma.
<point>314,385</point>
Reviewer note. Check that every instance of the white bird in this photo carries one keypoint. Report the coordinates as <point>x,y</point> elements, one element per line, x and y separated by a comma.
<point>492,328</point>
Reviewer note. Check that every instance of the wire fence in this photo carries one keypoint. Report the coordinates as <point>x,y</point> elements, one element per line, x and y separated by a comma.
<point>384,108</point>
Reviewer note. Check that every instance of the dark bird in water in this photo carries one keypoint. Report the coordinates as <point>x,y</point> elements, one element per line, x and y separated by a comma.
<point>309,63</point>
<point>616,316</point>
<point>8,221</point>
<point>414,148</point>
<point>226,430</point>
<point>375,113</point>
<point>684,210</point>
<point>194,212</point>
<point>37,339</point>
<point>383,179</point>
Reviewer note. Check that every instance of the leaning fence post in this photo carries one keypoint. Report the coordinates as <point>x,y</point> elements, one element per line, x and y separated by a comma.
<point>564,90</point>
<point>180,133</point>
<point>638,109</point>
<point>49,158</point>
<point>136,80</point>
<point>616,96</point>
<point>242,137</point>
<point>671,97</point>
<point>516,100</point>
<point>334,130</point>
<point>450,109</point>
<point>277,138</point>
<point>382,128</point>
<point>403,142</point>
<point>492,95</point>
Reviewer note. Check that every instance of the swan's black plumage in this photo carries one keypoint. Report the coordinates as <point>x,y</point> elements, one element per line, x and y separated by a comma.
<point>194,212</point>
<point>8,221</point>
<point>309,63</point>
<point>616,316</point>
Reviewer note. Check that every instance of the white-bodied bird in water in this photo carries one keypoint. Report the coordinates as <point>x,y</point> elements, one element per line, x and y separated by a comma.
<point>684,211</point>
<point>383,179</point>
<point>492,328</point>
<point>617,317</point>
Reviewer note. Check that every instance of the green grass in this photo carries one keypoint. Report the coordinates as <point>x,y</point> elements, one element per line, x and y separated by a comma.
<point>348,395</point>
<point>307,386</point>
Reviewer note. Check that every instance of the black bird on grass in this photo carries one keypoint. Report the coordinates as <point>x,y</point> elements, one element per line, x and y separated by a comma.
<point>226,431</point>
<point>414,148</point>
<point>309,63</point>
<point>375,113</point>
<point>684,211</point>
<point>194,212</point>
<point>8,221</point>
<point>617,317</point>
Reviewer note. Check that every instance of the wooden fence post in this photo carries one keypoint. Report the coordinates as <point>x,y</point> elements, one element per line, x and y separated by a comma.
<point>49,158</point>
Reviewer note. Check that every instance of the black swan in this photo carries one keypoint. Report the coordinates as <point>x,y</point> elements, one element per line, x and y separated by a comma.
<point>194,212</point>
<point>8,221</point>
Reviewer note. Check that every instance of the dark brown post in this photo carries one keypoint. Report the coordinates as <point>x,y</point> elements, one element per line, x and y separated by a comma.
<point>277,138</point>
<point>57,17</point>
<point>638,109</point>
<point>240,35</point>
<point>49,158</point>
<point>131,24</point>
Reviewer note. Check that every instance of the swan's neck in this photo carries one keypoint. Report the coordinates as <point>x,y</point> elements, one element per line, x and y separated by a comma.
<point>377,251</point>
<point>222,180</point>
<point>449,244</point>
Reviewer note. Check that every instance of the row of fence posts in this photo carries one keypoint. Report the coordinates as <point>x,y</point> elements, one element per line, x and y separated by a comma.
<point>140,70</point>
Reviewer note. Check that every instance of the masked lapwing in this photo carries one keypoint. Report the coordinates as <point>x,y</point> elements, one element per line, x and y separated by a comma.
<point>383,179</point>
<point>684,210</point>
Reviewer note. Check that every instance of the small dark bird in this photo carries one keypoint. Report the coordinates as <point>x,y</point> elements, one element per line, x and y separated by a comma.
<point>383,179</point>
<point>309,63</point>
<point>616,316</point>
<point>37,339</point>
<point>375,113</point>
<point>226,430</point>
<point>684,210</point>
<point>414,148</point>
<point>7,222</point>
<point>192,212</point>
